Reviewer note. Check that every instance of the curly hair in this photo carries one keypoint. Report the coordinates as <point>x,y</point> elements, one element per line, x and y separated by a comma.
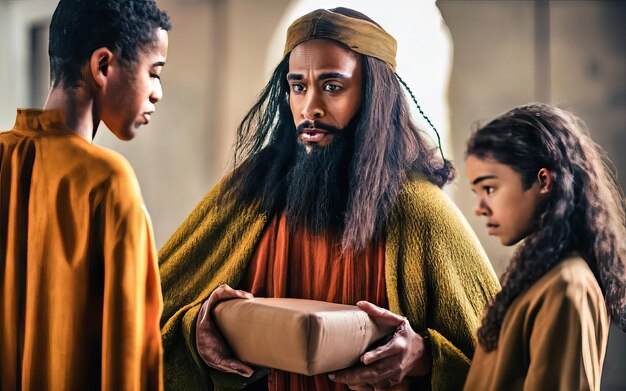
<point>79,27</point>
<point>585,210</point>
<point>386,146</point>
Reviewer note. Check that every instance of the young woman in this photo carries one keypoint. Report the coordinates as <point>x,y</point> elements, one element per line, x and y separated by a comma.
<point>541,180</point>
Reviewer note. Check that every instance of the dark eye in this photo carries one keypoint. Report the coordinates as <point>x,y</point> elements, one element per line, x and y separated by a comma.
<point>297,88</point>
<point>488,189</point>
<point>155,76</point>
<point>332,87</point>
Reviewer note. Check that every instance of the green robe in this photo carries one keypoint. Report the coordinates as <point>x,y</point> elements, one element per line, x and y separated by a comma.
<point>436,272</point>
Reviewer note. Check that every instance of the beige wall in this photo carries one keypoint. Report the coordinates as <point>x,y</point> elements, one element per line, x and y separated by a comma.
<point>16,18</point>
<point>494,70</point>
<point>491,72</point>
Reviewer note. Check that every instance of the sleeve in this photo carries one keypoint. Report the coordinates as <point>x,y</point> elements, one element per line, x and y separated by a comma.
<point>132,302</point>
<point>440,279</point>
<point>568,339</point>
<point>212,247</point>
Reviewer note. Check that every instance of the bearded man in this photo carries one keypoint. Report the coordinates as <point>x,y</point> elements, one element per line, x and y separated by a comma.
<point>337,198</point>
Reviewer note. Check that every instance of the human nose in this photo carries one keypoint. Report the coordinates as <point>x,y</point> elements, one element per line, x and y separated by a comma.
<point>157,92</point>
<point>312,108</point>
<point>481,208</point>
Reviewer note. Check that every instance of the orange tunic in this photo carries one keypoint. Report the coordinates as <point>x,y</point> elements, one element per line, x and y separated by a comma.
<point>302,265</point>
<point>80,293</point>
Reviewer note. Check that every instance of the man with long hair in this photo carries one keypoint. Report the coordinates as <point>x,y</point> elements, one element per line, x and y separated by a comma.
<point>80,299</point>
<point>335,196</point>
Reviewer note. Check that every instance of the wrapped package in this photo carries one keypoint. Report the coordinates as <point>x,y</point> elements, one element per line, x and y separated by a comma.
<point>302,336</point>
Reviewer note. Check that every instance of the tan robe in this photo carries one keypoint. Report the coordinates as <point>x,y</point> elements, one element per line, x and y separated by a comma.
<point>553,336</point>
<point>80,296</point>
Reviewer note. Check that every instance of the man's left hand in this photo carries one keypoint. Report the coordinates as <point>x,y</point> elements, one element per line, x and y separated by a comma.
<point>387,365</point>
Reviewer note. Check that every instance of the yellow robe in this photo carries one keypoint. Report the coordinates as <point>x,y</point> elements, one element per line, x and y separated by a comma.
<point>553,336</point>
<point>80,292</point>
<point>436,274</point>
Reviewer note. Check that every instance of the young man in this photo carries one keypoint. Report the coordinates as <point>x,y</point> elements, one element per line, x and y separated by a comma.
<point>81,298</point>
<point>337,199</point>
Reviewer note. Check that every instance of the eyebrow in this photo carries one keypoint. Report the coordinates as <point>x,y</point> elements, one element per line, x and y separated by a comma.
<point>323,76</point>
<point>333,75</point>
<point>159,64</point>
<point>482,178</point>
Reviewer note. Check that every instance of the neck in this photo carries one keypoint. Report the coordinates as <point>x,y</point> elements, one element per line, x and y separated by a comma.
<point>78,103</point>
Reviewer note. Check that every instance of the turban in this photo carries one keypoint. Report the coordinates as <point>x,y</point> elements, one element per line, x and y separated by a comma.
<point>359,35</point>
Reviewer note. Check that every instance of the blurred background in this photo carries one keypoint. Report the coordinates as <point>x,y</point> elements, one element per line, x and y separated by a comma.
<point>466,61</point>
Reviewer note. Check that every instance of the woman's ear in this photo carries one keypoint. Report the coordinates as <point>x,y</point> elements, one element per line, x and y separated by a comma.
<point>99,64</point>
<point>545,179</point>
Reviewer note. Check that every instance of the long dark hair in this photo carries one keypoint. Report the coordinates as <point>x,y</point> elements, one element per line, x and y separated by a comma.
<point>585,211</point>
<point>386,146</point>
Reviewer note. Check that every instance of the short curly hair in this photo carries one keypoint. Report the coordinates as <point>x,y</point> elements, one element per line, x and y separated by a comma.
<point>79,27</point>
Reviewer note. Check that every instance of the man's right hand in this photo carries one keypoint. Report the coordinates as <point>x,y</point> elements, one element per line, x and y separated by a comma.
<point>211,346</point>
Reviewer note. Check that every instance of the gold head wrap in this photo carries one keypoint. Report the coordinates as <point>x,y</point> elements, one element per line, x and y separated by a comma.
<point>359,35</point>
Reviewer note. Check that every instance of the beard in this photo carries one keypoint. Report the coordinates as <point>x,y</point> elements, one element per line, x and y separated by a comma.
<point>317,184</point>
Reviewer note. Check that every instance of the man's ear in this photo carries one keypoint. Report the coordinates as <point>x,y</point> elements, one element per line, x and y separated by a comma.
<point>545,179</point>
<point>99,65</point>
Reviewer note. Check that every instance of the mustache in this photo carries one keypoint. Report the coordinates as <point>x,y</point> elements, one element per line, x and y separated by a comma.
<point>316,191</point>
<point>308,124</point>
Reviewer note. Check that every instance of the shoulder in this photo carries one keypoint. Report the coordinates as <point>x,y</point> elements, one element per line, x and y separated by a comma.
<point>423,200</point>
<point>108,171</point>
<point>7,135</point>
<point>572,272</point>
<point>416,185</point>
<point>571,281</point>
<point>69,158</point>
<point>566,299</point>
<point>425,216</point>
<point>74,152</point>
<point>107,160</point>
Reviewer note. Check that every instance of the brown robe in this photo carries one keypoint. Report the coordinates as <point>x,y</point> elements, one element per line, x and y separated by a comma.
<point>553,336</point>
